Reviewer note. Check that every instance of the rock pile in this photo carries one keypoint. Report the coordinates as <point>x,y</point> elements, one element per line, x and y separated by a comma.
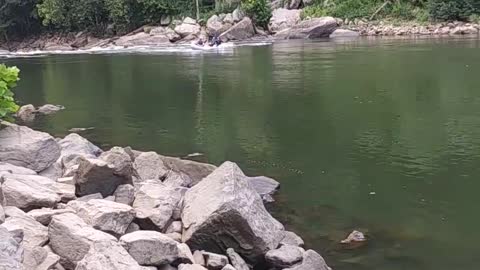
<point>128,210</point>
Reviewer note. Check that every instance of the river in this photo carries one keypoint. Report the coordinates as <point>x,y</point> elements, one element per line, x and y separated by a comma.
<point>381,135</point>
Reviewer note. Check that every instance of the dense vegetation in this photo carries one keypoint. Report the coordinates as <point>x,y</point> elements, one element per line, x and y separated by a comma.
<point>24,17</point>
<point>8,80</point>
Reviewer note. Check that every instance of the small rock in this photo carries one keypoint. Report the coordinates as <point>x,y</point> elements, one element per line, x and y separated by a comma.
<point>292,238</point>
<point>285,256</point>
<point>355,236</point>
<point>175,227</point>
<point>50,109</point>
<point>175,236</point>
<point>26,113</point>
<point>215,261</point>
<point>198,257</point>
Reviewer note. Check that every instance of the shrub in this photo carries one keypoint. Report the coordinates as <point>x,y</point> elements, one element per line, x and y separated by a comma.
<point>448,10</point>
<point>8,80</point>
<point>314,12</point>
<point>258,10</point>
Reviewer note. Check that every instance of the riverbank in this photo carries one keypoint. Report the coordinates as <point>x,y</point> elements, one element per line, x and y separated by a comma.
<point>67,204</point>
<point>236,27</point>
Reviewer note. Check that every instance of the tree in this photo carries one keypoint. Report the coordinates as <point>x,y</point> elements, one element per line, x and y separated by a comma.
<point>8,80</point>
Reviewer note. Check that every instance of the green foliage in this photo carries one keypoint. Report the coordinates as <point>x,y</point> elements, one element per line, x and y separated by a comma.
<point>8,80</point>
<point>258,10</point>
<point>18,17</point>
<point>314,11</point>
<point>447,10</point>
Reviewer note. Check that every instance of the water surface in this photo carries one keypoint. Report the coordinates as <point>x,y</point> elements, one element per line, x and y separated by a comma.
<point>380,135</point>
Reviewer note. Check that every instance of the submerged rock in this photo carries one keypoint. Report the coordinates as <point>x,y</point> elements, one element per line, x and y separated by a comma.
<point>24,147</point>
<point>50,109</point>
<point>224,211</point>
<point>26,113</point>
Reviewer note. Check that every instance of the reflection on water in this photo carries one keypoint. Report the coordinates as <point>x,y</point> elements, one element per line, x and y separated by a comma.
<point>379,135</point>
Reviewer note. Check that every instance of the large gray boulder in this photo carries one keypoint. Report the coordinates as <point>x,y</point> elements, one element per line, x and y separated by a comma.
<point>283,18</point>
<point>45,215</point>
<point>119,159</point>
<point>9,168</point>
<point>215,26</point>
<point>24,147</point>
<point>149,166</point>
<point>142,39</point>
<point>196,171</point>
<point>75,145</point>
<point>97,176</point>
<point>309,29</point>
<point>265,186</point>
<point>188,27</point>
<point>125,194</point>
<point>285,256</point>
<point>11,251</point>
<point>240,31</point>
<point>311,260</point>
<point>237,261</point>
<point>104,215</point>
<point>150,247</point>
<point>108,256</point>
<point>71,238</point>
<point>30,191</point>
<point>155,204</point>
<point>224,211</point>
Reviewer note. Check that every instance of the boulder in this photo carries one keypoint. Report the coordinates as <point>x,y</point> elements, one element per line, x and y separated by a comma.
<point>311,260</point>
<point>215,261</point>
<point>108,256</point>
<point>149,166</point>
<point>294,4</point>
<point>12,211</point>
<point>104,215</point>
<point>224,211</point>
<point>228,19</point>
<point>344,33</point>
<point>29,191</point>
<point>236,260</point>
<point>172,35</point>
<point>165,20</point>
<point>309,29</point>
<point>184,254</point>
<point>97,176</point>
<point>265,186</point>
<point>89,197</point>
<point>2,214</point>
<point>45,215</point>
<point>45,259</point>
<point>188,27</point>
<point>228,267</point>
<point>67,180</point>
<point>26,113</point>
<point>125,194</point>
<point>198,257</point>
<point>178,180</point>
<point>238,15</point>
<point>464,30</point>
<point>50,109</point>
<point>191,267</point>
<point>53,172</point>
<point>175,236</point>
<point>119,159</point>
<point>142,39</point>
<point>175,227</point>
<point>196,171</point>
<point>240,31</point>
<point>285,256</point>
<point>71,238</point>
<point>283,18</point>
<point>215,26</point>
<point>24,147</point>
<point>75,145</point>
<point>150,247</point>
<point>9,168</point>
<point>11,251</point>
<point>291,238</point>
<point>154,204</point>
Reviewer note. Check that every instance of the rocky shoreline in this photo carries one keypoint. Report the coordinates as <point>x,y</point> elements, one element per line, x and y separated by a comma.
<point>67,204</point>
<point>236,27</point>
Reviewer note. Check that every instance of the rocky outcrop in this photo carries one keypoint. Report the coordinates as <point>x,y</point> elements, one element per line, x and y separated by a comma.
<point>223,207</point>
<point>150,247</point>
<point>309,29</point>
<point>104,215</point>
<point>283,18</point>
<point>28,148</point>
<point>241,31</point>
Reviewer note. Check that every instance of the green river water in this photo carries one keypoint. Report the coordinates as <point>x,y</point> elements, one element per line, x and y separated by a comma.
<point>373,134</point>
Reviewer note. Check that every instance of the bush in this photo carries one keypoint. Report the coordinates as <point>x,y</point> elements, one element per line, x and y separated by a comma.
<point>258,10</point>
<point>314,12</point>
<point>449,10</point>
<point>8,80</point>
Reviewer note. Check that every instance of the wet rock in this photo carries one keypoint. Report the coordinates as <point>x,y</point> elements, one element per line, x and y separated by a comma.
<point>142,39</point>
<point>188,27</point>
<point>125,194</point>
<point>265,186</point>
<point>215,261</point>
<point>50,109</point>
<point>26,113</point>
<point>104,215</point>
<point>311,260</point>
<point>309,29</point>
<point>240,31</point>
<point>215,26</point>
<point>344,33</point>
<point>108,256</point>
<point>150,247</point>
<point>11,251</point>
<point>24,147</point>
<point>97,176</point>
<point>154,204</point>
<point>9,168</point>
<point>283,18</point>
<point>45,215</point>
<point>29,191</point>
<point>291,238</point>
<point>355,236</point>
<point>237,261</point>
<point>285,256</point>
<point>71,238</point>
<point>223,207</point>
<point>119,159</point>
